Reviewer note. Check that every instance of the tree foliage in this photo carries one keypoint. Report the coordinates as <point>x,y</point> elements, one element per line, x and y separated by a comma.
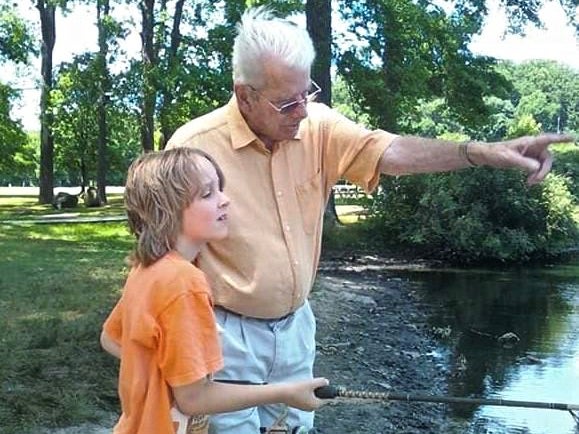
<point>16,41</point>
<point>407,52</point>
<point>410,51</point>
<point>481,215</point>
<point>16,45</point>
<point>76,127</point>
<point>13,139</point>
<point>546,90</point>
<point>195,75</point>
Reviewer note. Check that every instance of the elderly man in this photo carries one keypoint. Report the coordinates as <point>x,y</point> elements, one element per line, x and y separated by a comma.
<point>281,153</point>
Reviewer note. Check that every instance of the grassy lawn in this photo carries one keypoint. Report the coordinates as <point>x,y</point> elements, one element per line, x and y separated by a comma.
<point>26,208</point>
<point>57,284</point>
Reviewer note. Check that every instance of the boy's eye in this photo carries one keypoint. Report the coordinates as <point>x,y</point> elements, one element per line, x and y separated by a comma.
<point>207,193</point>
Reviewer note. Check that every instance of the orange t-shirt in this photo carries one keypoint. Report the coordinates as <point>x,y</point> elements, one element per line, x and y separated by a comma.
<point>165,326</point>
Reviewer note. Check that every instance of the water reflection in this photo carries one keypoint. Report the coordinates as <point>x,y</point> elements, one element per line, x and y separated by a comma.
<point>540,307</point>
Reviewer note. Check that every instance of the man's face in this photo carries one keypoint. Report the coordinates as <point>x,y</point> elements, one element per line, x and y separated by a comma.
<point>268,110</point>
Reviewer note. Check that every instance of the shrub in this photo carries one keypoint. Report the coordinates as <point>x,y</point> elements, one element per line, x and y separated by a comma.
<point>567,164</point>
<point>481,215</point>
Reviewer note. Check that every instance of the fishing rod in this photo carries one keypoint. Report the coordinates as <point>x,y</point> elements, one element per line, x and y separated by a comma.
<point>331,392</point>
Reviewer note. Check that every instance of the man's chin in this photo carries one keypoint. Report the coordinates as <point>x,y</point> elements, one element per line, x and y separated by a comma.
<point>291,132</point>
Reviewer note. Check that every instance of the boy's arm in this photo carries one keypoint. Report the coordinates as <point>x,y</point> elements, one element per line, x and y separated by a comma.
<point>209,397</point>
<point>109,345</point>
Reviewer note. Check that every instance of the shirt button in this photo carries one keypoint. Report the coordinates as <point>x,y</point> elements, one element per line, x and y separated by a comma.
<point>287,228</point>
<point>296,263</point>
<point>279,193</point>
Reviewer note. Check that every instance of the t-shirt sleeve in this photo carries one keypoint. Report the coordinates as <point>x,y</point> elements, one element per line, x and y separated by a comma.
<point>189,343</point>
<point>113,325</point>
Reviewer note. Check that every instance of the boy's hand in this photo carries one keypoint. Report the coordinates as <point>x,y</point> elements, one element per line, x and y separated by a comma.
<point>301,394</point>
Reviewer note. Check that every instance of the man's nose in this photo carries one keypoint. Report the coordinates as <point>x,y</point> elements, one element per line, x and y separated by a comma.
<point>301,110</point>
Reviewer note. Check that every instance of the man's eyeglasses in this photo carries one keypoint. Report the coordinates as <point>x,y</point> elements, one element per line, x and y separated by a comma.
<point>289,107</point>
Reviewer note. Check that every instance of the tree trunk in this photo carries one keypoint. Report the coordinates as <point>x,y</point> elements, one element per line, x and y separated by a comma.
<point>48,27</point>
<point>103,8</point>
<point>149,62</point>
<point>319,25</point>
<point>83,175</point>
<point>167,89</point>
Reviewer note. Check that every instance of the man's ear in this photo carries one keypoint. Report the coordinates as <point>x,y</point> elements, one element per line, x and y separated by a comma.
<point>243,95</point>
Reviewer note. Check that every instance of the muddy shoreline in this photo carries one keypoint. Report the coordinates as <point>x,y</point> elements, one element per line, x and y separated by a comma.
<point>373,335</point>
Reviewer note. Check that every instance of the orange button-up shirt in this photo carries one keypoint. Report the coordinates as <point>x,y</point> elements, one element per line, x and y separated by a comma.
<point>266,267</point>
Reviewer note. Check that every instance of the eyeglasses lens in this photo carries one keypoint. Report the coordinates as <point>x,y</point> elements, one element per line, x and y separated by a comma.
<point>313,92</point>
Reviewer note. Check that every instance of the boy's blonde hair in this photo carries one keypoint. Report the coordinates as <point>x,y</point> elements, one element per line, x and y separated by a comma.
<point>160,185</point>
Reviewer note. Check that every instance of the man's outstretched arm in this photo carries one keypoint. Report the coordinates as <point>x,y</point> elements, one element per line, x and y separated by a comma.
<point>409,154</point>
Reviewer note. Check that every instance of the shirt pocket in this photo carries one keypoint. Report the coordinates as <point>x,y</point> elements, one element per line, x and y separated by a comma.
<point>311,203</point>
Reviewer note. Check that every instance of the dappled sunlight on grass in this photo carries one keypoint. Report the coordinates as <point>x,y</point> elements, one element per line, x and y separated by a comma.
<point>81,232</point>
<point>22,208</point>
<point>20,202</point>
<point>57,284</point>
<point>350,214</point>
<point>66,315</point>
<point>349,219</point>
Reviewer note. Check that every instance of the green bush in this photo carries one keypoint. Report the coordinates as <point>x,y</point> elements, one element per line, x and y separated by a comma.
<point>567,164</point>
<point>480,215</point>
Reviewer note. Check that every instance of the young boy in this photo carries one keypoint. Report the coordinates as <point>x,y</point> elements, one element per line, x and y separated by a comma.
<point>163,328</point>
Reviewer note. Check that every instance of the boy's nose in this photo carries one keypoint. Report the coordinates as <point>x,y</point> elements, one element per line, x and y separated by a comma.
<point>224,200</point>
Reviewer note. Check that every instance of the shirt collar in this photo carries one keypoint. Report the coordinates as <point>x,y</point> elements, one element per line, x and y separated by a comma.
<point>241,134</point>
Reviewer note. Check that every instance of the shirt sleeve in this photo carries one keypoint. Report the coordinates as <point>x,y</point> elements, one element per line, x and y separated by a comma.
<point>189,343</point>
<point>113,325</point>
<point>352,151</point>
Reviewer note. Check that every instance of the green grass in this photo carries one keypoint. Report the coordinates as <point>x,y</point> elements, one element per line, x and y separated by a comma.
<point>24,208</point>
<point>57,284</point>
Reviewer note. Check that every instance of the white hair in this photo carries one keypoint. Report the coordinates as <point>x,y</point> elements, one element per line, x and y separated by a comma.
<point>261,35</point>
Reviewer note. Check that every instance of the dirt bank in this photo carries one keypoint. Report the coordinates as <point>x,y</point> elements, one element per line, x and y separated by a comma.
<point>372,335</point>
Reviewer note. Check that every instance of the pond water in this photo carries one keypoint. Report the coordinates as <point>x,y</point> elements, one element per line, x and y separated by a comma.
<point>540,305</point>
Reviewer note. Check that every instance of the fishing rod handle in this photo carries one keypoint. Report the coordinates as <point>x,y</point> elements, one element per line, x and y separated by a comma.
<point>331,392</point>
<point>327,392</point>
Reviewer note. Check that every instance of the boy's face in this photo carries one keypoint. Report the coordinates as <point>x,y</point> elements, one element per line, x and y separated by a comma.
<point>205,219</point>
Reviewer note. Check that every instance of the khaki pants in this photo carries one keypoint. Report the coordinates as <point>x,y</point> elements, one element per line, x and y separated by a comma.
<point>265,351</point>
